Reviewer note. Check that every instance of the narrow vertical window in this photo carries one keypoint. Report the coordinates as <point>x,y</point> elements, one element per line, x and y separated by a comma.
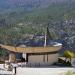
<point>43,58</point>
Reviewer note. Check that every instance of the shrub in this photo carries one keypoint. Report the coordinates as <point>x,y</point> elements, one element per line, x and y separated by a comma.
<point>70,73</point>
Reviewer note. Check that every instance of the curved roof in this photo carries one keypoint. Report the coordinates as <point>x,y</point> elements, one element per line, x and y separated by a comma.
<point>32,49</point>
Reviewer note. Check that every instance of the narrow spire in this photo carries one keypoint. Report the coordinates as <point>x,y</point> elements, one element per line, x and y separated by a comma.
<point>45,39</point>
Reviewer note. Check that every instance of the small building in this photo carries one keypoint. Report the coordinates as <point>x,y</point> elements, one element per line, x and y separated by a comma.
<point>37,55</point>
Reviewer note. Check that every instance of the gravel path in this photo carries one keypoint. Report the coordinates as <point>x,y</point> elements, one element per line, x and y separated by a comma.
<point>43,71</point>
<point>36,71</point>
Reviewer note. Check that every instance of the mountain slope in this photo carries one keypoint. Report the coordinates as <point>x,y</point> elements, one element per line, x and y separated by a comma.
<point>20,19</point>
<point>29,4</point>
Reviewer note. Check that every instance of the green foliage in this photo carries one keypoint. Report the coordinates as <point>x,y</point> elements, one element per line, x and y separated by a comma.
<point>69,73</point>
<point>3,53</point>
<point>68,54</point>
<point>33,22</point>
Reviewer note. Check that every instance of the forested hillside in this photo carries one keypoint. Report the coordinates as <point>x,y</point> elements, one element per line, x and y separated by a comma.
<point>20,20</point>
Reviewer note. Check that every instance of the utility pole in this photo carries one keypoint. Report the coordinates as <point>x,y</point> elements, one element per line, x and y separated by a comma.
<point>45,39</point>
